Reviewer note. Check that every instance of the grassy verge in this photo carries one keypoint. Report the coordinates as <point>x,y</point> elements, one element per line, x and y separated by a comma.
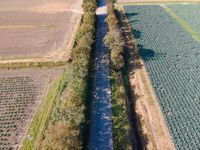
<point>20,65</point>
<point>42,114</point>
<point>121,124</point>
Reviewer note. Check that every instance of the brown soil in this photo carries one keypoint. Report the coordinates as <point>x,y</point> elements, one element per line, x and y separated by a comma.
<point>21,92</point>
<point>153,131</point>
<point>38,29</point>
<point>149,111</point>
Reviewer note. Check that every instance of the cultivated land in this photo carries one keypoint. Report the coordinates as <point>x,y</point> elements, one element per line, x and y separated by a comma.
<point>32,31</point>
<point>36,33</point>
<point>37,28</point>
<point>22,92</point>
<point>169,48</point>
<point>189,13</point>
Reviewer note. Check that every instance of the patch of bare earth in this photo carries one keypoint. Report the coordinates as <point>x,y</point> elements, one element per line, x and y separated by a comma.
<point>21,93</point>
<point>153,131</point>
<point>38,30</point>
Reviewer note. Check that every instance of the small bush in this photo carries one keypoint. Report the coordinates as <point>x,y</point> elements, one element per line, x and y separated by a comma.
<point>121,126</point>
<point>68,119</point>
<point>61,136</point>
<point>89,6</point>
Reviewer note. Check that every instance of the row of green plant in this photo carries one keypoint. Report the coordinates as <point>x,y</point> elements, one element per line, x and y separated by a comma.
<point>42,64</point>
<point>121,124</point>
<point>65,127</point>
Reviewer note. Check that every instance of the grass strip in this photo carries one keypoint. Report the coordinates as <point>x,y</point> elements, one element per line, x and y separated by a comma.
<point>194,34</point>
<point>42,114</point>
<point>41,64</point>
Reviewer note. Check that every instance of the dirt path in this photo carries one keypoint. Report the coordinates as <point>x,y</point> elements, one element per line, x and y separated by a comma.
<point>101,121</point>
<point>149,110</point>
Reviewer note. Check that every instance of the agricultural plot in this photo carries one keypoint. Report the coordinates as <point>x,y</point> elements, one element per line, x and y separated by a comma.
<point>153,1</point>
<point>37,29</point>
<point>21,92</point>
<point>190,13</point>
<point>172,61</point>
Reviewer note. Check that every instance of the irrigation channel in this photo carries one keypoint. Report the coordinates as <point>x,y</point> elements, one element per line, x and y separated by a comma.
<point>101,118</point>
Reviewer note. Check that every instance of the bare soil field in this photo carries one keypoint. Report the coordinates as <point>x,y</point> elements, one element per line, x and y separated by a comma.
<point>148,1</point>
<point>21,92</point>
<point>37,28</point>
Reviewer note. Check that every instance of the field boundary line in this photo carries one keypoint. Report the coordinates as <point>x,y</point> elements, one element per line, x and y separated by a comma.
<point>28,26</point>
<point>31,64</point>
<point>186,26</point>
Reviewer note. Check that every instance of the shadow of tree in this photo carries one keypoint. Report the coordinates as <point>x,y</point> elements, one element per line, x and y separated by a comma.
<point>144,53</point>
<point>132,53</point>
<point>132,21</point>
<point>131,14</point>
<point>136,33</point>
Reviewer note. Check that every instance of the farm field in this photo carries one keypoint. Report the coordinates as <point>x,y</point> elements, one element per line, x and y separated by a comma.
<point>172,60</point>
<point>21,93</point>
<point>32,29</point>
<point>153,1</point>
<point>190,13</point>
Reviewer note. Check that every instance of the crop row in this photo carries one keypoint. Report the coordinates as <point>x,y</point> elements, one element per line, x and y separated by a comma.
<point>187,13</point>
<point>171,57</point>
<point>17,94</point>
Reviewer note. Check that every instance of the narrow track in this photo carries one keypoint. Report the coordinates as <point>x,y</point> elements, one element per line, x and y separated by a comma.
<point>101,121</point>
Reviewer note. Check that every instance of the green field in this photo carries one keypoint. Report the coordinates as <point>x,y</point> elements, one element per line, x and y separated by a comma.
<point>168,42</point>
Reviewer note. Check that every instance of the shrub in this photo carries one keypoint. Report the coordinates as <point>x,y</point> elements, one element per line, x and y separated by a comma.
<point>68,116</point>
<point>89,6</point>
<point>121,127</point>
<point>61,136</point>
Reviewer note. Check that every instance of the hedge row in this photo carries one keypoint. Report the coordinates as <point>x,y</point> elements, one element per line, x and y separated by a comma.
<point>41,64</point>
<point>65,128</point>
<point>121,125</point>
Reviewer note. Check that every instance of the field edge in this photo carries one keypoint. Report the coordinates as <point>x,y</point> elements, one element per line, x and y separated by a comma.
<point>146,101</point>
<point>42,114</point>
